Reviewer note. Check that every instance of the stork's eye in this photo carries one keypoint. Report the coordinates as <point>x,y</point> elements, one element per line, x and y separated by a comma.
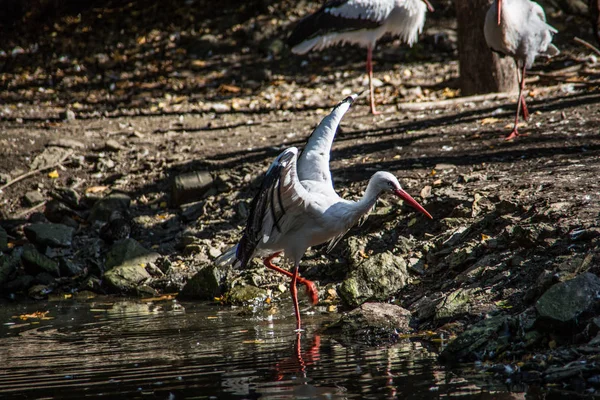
<point>391,185</point>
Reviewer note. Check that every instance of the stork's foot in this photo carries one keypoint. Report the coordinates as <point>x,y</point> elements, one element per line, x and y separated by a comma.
<point>311,290</point>
<point>514,134</point>
<point>375,112</point>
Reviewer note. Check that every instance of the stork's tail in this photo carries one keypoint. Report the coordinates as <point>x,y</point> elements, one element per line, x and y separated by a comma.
<point>228,258</point>
<point>551,51</point>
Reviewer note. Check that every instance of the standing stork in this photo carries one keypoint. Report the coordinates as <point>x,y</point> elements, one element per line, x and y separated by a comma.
<point>297,206</point>
<point>518,28</point>
<point>360,22</point>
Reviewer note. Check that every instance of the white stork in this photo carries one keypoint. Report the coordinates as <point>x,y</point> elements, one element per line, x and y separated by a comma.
<point>518,28</point>
<point>297,206</point>
<point>360,22</point>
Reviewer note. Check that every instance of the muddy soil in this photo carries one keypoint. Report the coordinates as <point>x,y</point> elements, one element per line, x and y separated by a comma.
<point>127,98</point>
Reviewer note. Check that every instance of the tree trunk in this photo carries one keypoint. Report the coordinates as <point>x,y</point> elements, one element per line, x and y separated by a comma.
<point>481,70</point>
<point>595,16</point>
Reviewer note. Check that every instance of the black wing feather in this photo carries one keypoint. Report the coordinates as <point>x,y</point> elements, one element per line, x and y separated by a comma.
<point>322,22</point>
<point>264,201</point>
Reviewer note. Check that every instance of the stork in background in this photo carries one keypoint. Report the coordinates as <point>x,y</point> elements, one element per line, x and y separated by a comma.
<point>360,22</point>
<point>297,206</point>
<point>518,28</point>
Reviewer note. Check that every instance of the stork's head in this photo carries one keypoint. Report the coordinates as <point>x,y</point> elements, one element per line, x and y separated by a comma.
<point>385,181</point>
<point>429,6</point>
<point>499,5</point>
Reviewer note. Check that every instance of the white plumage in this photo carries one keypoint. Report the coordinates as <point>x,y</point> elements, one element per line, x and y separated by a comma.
<point>518,28</point>
<point>297,206</point>
<point>360,22</point>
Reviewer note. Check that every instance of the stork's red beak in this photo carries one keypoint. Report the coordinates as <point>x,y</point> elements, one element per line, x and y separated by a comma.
<point>412,202</point>
<point>429,6</point>
<point>499,11</point>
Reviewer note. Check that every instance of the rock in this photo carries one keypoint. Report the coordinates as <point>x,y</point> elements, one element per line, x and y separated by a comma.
<point>126,278</point>
<point>117,228</point>
<point>39,292</point>
<point>69,268</point>
<point>193,211</point>
<point>481,337</point>
<point>244,294</point>
<point>425,307</point>
<point>35,262</point>
<point>9,264</point>
<point>67,195</point>
<point>32,198</point>
<point>56,211</point>
<point>44,278</point>
<point>373,322</point>
<point>50,234</point>
<point>67,115</point>
<point>191,187</point>
<point>426,192</point>
<point>3,240</point>
<point>49,157</point>
<point>455,237</point>
<point>19,284</point>
<point>481,205</point>
<point>113,145</point>
<point>128,252</point>
<point>529,235</point>
<point>4,177</point>
<point>564,302</point>
<point>543,282</point>
<point>66,143</point>
<point>456,304</point>
<point>104,208</point>
<point>376,278</point>
<point>462,255</point>
<point>205,285</point>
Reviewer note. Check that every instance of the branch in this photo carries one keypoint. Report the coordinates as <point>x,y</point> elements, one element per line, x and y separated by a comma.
<point>35,171</point>
<point>587,44</point>
<point>470,99</point>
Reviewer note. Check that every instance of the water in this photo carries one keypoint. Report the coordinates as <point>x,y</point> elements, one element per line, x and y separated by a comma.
<point>164,349</point>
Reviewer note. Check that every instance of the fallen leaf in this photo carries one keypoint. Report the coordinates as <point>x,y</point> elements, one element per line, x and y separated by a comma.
<point>53,174</point>
<point>485,237</point>
<point>96,189</point>
<point>489,121</point>
<point>224,88</point>
<point>35,315</point>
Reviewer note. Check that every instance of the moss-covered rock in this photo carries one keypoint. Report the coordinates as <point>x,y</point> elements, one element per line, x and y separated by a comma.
<point>129,252</point>
<point>376,278</point>
<point>564,302</point>
<point>373,323</point>
<point>53,235</point>
<point>205,285</point>
<point>126,278</point>
<point>481,337</point>
<point>245,294</point>
<point>35,262</point>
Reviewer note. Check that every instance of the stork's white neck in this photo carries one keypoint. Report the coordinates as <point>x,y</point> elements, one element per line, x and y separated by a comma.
<point>366,202</point>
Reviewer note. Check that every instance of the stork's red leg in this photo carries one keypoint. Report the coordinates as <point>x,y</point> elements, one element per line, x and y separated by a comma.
<point>294,292</point>
<point>524,108</point>
<point>370,73</point>
<point>515,131</point>
<point>311,288</point>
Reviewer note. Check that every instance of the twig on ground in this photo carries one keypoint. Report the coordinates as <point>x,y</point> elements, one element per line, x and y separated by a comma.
<point>29,210</point>
<point>587,44</point>
<point>35,171</point>
<point>474,99</point>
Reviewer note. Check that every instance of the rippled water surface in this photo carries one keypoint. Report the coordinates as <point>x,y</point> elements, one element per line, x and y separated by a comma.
<point>170,350</point>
